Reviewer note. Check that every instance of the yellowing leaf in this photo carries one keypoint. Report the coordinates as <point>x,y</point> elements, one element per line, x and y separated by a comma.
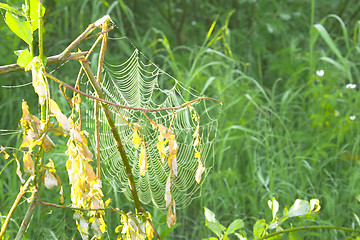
<point>60,117</point>
<point>143,164</point>
<point>2,150</point>
<point>199,172</point>
<point>161,148</point>
<point>28,163</point>
<point>48,144</point>
<point>136,139</point>
<point>18,171</point>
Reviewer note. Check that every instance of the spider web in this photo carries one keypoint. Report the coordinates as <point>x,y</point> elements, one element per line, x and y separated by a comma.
<point>137,82</point>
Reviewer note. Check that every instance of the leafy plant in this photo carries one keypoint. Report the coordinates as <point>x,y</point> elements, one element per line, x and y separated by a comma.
<point>86,192</point>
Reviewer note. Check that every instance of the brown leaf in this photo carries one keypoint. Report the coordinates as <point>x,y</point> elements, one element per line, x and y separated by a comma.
<point>48,144</point>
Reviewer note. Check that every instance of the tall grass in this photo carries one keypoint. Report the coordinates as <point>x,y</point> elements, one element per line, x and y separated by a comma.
<point>284,131</point>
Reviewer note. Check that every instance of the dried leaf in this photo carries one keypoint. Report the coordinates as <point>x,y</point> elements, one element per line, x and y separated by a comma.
<point>39,84</point>
<point>50,180</point>
<point>2,150</point>
<point>48,144</point>
<point>199,171</point>
<point>171,215</point>
<point>143,164</point>
<point>28,163</point>
<point>174,166</point>
<point>18,171</point>
<point>60,117</point>
<point>168,195</point>
<point>161,148</point>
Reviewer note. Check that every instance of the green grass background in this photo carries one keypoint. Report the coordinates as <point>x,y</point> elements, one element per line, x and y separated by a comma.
<point>283,132</point>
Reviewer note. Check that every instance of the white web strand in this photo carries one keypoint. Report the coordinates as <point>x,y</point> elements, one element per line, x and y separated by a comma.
<point>136,84</point>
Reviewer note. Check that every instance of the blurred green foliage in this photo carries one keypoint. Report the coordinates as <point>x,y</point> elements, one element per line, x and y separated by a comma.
<point>285,130</point>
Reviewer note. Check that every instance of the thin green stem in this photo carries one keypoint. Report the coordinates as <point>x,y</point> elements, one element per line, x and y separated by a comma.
<point>310,228</point>
<point>40,30</point>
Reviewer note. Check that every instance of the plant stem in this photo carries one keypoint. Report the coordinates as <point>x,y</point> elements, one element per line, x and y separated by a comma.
<point>99,72</point>
<point>129,107</point>
<point>27,217</point>
<point>310,228</point>
<point>120,147</point>
<point>16,202</point>
<point>82,36</point>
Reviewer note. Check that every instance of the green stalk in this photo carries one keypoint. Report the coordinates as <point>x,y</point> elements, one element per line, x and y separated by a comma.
<point>27,15</point>
<point>310,228</point>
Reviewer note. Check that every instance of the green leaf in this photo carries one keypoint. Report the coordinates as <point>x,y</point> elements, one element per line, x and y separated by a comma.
<point>235,225</point>
<point>216,227</point>
<point>24,58</point>
<point>21,28</point>
<point>10,9</point>
<point>34,14</point>
<point>300,207</point>
<point>209,215</point>
<point>325,35</point>
<point>259,228</point>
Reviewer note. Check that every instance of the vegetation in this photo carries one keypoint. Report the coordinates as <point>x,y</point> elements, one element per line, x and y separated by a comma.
<point>288,129</point>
